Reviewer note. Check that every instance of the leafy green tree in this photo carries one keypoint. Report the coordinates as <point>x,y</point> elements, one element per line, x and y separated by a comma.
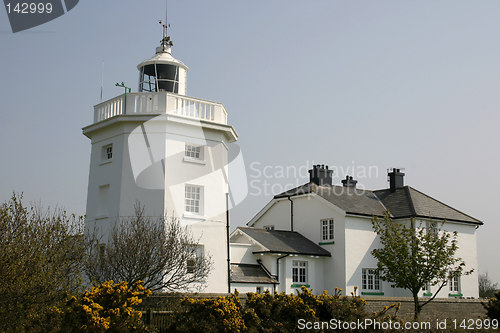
<point>413,256</point>
<point>40,261</point>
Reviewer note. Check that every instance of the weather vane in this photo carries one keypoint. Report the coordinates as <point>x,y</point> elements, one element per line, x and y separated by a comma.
<point>166,39</point>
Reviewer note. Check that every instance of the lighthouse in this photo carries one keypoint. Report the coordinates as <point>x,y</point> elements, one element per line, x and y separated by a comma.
<point>167,151</point>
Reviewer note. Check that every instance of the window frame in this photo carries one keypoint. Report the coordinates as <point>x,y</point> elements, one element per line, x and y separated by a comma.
<point>194,153</point>
<point>192,261</point>
<point>327,229</point>
<point>195,204</point>
<point>454,284</point>
<point>432,228</point>
<point>107,152</point>
<point>300,271</point>
<point>372,274</point>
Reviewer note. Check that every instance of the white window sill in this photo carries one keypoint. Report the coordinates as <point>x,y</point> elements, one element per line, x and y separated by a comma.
<point>194,160</point>
<point>372,293</point>
<point>193,216</point>
<point>106,162</point>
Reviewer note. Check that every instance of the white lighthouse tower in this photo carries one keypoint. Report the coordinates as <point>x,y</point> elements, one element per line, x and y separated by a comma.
<point>167,151</point>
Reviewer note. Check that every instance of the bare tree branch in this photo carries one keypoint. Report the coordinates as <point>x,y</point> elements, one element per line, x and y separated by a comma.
<point>154,250</point>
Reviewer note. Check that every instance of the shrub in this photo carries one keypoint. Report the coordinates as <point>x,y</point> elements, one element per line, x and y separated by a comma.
<point>108,307</point>
<point>221,314</point>
<point>493,307</point>
<point>278,312</point>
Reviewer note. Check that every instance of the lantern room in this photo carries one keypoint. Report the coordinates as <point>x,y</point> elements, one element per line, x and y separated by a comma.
<point>163,72</point>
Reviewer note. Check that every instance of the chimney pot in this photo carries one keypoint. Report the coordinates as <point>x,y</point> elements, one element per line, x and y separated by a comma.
<point>349,182</point>
<point>320,175</point>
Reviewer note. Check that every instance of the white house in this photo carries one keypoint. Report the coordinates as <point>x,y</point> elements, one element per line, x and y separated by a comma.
<point>320,235</point>
<point>167,151</point>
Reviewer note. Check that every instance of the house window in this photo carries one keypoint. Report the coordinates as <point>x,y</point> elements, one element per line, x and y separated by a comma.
<point>107,152</point>
<point>258,290</point>
<point>193,198</point>
<point>432,228</point>
<point>299,271</point>
<point>194,152</point>
<point>371,280</point>
<point>269,227</point>
<point>426,287</point>
<point>455,284</point>
<point>327,229</point>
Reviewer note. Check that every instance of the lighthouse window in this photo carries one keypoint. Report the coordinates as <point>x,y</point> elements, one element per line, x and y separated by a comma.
<point>193,199</point>
<point>159,77</point>
<point>167,77</point>
<point>107,152</point>
<point>193,152</point>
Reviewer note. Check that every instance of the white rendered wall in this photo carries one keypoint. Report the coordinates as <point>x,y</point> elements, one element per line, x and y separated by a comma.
<point>242,254</point>
<point>278,215</point>
<point>308,211</point>
<point>163,196</point>
<point>361,240</point>
<point>467,250</point>
<point>244,288</point>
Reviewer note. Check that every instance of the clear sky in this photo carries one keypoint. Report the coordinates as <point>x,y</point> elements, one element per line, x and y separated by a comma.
<point>352,84</point>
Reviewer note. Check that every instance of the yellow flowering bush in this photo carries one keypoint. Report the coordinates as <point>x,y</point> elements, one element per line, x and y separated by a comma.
<point>267,312</point>
<point>221,314</point>
<point>108,307</point>
<point>279,312</point>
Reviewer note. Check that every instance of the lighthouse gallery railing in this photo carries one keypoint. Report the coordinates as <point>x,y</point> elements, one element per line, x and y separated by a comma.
<point>160,103</point>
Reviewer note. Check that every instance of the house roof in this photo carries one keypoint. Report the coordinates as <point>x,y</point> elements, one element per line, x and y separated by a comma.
<point>250,273</point>
<point>409,202</point>
<point>402,203</point>
<point>350,200</point>
<point>285,242</point>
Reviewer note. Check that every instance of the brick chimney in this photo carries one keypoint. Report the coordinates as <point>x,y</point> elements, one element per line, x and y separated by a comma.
<point>320,175</point>
<point>349,182</point>
<point>396,179</point>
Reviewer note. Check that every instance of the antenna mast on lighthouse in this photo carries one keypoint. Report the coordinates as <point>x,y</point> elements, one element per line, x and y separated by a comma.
<point>165,42</point>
